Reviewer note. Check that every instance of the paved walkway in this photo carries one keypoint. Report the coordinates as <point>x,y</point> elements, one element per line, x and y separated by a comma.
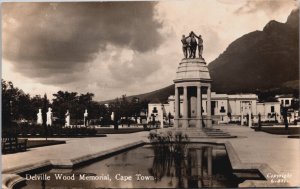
<point>282,154</point>
<point>74,148</point>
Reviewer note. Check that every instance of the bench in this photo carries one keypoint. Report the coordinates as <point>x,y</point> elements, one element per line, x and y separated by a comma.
<point>13,144</point>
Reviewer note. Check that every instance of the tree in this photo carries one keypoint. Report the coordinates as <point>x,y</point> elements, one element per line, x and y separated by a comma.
<point>76,104</point>
<point>127,109</point>
<point>36,103</point>
<point>64,101</point>
<point>23,107</point>
<point>115,107</point>
<point>15,103</point>
<point>85,101</point>
<point>104,113</point>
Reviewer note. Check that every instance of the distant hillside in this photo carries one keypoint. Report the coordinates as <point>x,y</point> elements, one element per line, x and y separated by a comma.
<point>260,60</point>
<point>265,60</point>
<point>160,94</point>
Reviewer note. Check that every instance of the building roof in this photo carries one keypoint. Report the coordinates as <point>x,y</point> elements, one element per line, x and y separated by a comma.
<point>285,96</point>
<point>243,96</point>
<point>262,103</point>
<point>215,96</point>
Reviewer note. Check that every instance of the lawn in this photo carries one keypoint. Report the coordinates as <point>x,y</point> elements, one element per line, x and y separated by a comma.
<point>120,130</point>
<point>40,143</point>
<point>280,130</point>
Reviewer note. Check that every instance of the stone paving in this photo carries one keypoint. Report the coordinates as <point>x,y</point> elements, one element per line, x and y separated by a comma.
<point>74,148</point>
<point>282,154</point>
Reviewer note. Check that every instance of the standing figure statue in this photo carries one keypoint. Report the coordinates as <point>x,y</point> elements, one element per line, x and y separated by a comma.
<point>49,117</point>
<point>39,117</point>
<point>67,119</point>
<point>193,45</point>
<point>189,48</point>
<point>200,46</point>
<point>85,118</point>
<point>189,45</point>
<point>184,46</point>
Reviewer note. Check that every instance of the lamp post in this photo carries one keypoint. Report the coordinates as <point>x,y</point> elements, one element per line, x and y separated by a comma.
<point>259,121</point>
<point>169,117</point>
<point>153,119</point>
<point>10,121</point>
<point>250,117</point>
<point>143,119</point>
<point>242,116</point>
<point>11,113</point>
<point>10,128</point>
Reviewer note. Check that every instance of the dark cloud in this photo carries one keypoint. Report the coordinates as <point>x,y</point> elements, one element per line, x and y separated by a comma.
<point>137,69</point>
<point>46,38</point>
<point>268,6</point>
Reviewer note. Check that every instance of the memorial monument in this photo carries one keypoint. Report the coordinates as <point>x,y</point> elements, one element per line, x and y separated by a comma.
<point>192,80</point>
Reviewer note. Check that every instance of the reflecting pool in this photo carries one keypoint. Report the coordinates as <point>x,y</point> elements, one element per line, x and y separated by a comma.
<point>192,165</point>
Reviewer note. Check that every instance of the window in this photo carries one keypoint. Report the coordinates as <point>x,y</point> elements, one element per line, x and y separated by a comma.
<point>272,109</point>
<point>287,102</point>
<point>281,101</point>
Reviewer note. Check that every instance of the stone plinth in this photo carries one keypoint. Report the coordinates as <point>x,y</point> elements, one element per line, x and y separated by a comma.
<point>192,70</point>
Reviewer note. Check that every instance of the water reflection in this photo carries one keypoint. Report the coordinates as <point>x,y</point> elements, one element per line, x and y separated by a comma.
<point>191,165</point>
<point>174,165</point>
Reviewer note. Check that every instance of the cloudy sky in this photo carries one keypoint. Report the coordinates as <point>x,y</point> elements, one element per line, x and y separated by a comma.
<point>116,48</point>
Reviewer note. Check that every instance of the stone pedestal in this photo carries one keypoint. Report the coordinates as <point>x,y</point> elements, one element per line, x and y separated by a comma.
<point>192,80</point>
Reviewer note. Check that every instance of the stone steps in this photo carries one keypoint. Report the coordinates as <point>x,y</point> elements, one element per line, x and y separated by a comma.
<point>192,132</point>
<point>211,132</point>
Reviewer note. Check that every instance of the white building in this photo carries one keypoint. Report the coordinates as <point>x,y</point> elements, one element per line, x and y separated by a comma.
<point>224,107</point>
<point>269,111</point>
<point>285,100</point>
<point>157,110</point>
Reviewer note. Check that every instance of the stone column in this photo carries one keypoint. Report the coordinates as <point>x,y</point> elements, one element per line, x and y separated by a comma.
<point>193,163</point>
<point>199,107</point>
<point>242,114</point>
<point>199,166</point>
<point>185,107</point>
<point>250,112</point>
<point>209,122</point>
<point>177,107</point>
<point>162,117</point>
<point>209,165</point>
<point>183,173</point>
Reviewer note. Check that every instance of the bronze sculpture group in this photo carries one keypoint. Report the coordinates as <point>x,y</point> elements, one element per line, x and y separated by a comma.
<point>189,45</point>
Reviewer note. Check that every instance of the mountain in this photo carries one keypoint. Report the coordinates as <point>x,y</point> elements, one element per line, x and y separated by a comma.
<point>160,95</point>
<point>260,60</point>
